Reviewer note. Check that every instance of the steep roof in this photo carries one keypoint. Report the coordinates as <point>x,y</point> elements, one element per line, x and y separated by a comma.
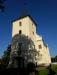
<point>24,17</point>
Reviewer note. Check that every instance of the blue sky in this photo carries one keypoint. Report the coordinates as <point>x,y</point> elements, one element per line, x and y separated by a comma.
<point>44,12</point>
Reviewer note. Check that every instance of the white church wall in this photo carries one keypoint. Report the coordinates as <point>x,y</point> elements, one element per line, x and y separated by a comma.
<point>28,28</point>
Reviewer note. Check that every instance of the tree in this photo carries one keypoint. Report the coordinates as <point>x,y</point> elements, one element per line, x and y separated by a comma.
<point>6,57</point>
<point>2,6</point>
<point>0,63</point>
<point>23,47</point>
<point>54,59</point>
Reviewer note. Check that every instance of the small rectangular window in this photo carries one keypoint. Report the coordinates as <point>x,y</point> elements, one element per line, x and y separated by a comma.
<point>20,32</point>
<point>20,23</point>
<point>39,46</point>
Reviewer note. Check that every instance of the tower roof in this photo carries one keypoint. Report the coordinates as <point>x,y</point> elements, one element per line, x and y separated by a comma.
<point>24,17</point>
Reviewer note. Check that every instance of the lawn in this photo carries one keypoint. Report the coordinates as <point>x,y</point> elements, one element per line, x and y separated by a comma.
<point>44,71</point>
<point>54,67</point>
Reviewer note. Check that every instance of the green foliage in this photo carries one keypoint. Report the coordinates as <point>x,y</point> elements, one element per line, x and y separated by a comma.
<point>23,46</point>
<point>31,66</point>
<point>43,71</point>
<point>54,67</point>
<point>6,57</point>
<point>54,59</point>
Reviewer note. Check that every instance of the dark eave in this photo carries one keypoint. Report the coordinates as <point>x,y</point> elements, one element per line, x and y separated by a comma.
<point>24,17</point>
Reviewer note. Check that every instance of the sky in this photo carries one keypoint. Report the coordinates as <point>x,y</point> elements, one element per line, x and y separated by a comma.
<point>44,12</point>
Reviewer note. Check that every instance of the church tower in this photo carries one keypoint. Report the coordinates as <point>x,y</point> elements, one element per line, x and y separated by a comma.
<point>24,25</point>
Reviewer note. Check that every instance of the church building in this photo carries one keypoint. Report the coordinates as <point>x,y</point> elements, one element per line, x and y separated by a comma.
<point>25,25</point>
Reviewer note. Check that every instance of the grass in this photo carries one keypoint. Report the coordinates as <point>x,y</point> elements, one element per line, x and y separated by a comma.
<point>44,71</point>
<point>54,67</point>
